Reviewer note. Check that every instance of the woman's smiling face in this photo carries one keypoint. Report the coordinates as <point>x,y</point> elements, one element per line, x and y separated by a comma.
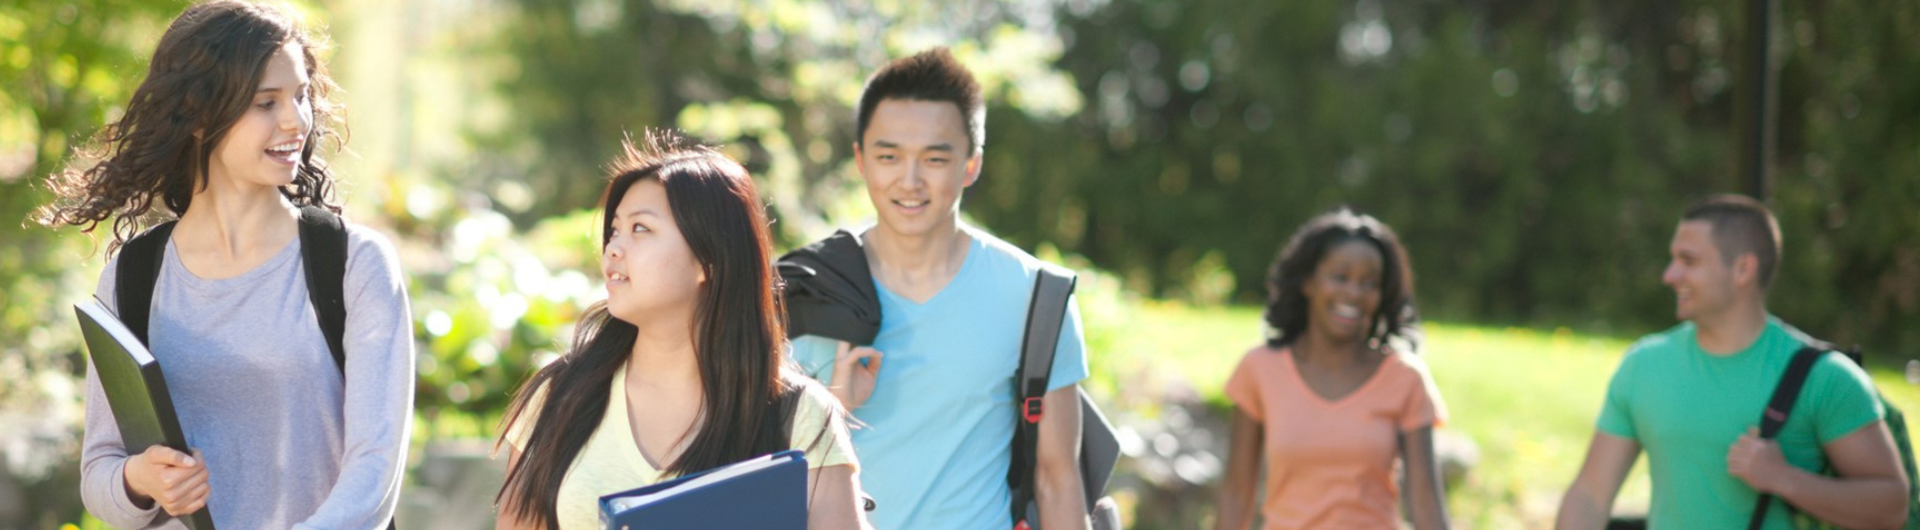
<point>1344,292</point>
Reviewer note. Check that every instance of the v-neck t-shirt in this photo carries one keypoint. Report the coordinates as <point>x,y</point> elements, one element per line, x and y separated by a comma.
<point>1331,463</point>
<point>936,436</point>
<point>611,461</point>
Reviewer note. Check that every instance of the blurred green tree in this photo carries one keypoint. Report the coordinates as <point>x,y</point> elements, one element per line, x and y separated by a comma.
<point>1534,155</point>
<point>65,67</point>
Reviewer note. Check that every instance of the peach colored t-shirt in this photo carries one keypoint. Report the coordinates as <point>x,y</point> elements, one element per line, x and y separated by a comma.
<point>1332,464</point>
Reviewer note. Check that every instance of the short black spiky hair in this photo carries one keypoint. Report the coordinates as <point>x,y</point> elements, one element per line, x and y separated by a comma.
<point>932,75</point>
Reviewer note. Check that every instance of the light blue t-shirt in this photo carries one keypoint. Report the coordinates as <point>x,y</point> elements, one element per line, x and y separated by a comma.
<point>938,430</point>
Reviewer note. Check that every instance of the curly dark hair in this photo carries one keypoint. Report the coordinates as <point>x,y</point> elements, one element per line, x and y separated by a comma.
<point>202,78</point>
<point>1286,314</point>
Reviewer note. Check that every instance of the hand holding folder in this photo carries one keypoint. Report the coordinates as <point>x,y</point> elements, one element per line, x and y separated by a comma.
<point>768,492</point>
<point>136,391</point>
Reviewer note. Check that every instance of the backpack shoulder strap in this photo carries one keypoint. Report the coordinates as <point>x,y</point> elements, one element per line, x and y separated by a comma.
<point>1779,407</point>
<point>323,253</point>
<point>1787,392</point>
<point>1046,314</point>
<point>136,274</point>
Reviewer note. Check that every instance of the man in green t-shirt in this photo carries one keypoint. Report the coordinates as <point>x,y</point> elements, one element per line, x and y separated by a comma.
<point>1691,396</point>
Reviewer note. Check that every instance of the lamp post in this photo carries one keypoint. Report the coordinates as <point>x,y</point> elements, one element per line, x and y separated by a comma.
<point>1756,103</point>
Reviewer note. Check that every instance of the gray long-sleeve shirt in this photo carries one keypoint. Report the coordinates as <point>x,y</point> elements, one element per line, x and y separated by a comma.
<point>258,394</point>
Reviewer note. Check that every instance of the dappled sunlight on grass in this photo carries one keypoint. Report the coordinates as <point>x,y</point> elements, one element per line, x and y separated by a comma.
<point>1528,398</point>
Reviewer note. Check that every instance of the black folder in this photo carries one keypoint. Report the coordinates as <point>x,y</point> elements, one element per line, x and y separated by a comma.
<point>135,390</point>
<point>764,493</point>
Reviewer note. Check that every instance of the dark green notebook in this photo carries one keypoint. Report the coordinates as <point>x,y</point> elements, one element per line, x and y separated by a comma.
<point>135,390</point>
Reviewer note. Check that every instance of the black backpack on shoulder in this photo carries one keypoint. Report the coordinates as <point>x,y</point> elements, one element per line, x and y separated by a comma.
<point>323,252</point>
<point>1780,407</point>
<point>1099,447</point>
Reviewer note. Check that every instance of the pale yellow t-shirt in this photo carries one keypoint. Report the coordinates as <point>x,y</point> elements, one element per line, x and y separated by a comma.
<point>611,463</point>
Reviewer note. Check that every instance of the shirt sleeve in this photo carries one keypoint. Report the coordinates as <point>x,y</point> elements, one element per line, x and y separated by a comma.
<point>1845,397</point>
<point>1616,413</point>
<point>820,430</point>
<point>103,456</point>
<point>1070,357</point>
<point>814,354</point>
<point>378,405</point>
<point>1423,407</point>
<point>1243,387</point>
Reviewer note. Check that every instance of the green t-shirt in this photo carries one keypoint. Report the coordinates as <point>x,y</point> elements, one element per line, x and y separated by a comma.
<point>1686,407</point>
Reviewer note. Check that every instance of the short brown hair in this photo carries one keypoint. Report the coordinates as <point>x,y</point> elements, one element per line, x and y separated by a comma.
<point>1741,225</point>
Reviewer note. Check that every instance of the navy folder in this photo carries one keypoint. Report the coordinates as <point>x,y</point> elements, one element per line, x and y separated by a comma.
<point>136,391</point>
<point>767,492</point>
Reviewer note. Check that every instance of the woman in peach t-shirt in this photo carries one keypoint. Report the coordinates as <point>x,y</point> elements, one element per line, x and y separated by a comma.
<point>1327,404</point>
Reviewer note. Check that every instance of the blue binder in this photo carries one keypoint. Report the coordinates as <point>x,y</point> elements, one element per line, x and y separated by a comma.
<point>771,497</point>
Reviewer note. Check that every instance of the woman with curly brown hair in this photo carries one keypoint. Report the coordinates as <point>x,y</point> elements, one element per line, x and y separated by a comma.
<point>1335,399</point>
<point>288,429</point>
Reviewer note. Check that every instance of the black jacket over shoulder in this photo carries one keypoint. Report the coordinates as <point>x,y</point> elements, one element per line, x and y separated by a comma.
<point>829,290</point>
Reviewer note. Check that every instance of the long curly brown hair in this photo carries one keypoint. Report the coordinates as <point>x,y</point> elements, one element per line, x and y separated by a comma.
<point>202,78</point>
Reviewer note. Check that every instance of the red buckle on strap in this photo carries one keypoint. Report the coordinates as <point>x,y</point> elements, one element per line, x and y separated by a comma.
<point>1030,410</point>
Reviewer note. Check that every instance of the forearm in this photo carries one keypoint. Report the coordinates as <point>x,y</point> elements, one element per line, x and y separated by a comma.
<point>1863,502</point>
<point>368,489</point>
<point>104,491</point>
<point>1589,501</point>
<point>1057,487</point>
<point>1236,498</point>
<point>378,412</point>
<point>1062,498</point>
<point>1245,438</point>
<point>1425,496</point>
<point>103,483</point>
<point>1580,510</point>
<point>832,504</point>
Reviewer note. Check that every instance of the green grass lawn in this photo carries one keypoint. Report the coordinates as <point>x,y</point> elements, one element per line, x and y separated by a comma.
<point>1527,397</point>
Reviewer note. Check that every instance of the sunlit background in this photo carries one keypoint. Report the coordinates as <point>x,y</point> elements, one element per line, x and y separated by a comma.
<point>1534,155</point>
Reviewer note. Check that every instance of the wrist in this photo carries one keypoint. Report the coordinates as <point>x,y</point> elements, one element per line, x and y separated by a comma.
<point>842,394</point>
<point>1785,482</point>
<point>140,500</point>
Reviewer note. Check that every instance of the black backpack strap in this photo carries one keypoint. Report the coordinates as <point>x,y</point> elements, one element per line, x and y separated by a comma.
<point>323,253</point>
<point>1779,408</point>
<point>1046,314</point>
<point>136,274</point>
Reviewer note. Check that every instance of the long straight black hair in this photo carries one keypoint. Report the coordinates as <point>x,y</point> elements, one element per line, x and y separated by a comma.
<point>739,340</point>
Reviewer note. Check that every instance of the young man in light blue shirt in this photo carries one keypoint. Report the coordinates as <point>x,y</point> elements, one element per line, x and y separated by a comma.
<point>939,417</point>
